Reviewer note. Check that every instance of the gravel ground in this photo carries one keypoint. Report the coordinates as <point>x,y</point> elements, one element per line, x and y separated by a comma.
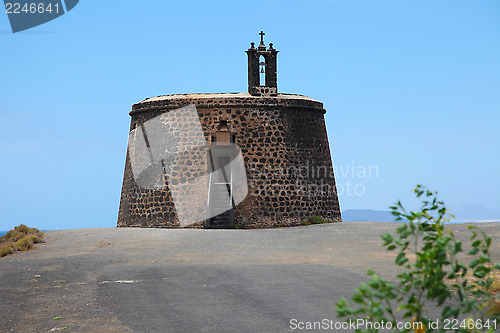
<point>190,280</point>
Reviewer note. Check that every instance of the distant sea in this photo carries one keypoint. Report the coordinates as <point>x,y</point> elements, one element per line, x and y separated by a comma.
<point>3,233</point>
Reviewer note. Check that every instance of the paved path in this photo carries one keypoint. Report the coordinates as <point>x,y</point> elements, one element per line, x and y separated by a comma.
<point>182,280</point>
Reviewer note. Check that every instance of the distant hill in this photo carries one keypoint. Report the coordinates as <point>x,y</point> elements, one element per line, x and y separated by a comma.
<point>464,213</point>
<point>475,213</point>
<point>350,215</point>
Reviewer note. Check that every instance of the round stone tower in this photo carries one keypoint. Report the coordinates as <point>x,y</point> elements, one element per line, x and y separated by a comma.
<point>249,160</point>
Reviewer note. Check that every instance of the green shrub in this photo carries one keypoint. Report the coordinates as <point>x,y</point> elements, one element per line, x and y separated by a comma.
<point>24,229</point>
<point>35,238</point>
<point>24,244</point>
<point>5,250</point>
<point>21,238</point>
<point>13,235</point>
<point>431,275</point>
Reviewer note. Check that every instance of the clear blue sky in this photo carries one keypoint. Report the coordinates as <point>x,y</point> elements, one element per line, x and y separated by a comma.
<point>411,88</point>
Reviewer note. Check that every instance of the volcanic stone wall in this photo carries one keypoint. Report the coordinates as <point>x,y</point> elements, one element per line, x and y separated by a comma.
<point>285,148</point>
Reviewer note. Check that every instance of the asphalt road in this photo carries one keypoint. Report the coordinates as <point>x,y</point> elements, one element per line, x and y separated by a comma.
<point>185,280</point>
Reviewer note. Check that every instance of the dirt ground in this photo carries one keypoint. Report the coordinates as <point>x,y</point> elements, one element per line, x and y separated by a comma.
<point>180,280</point>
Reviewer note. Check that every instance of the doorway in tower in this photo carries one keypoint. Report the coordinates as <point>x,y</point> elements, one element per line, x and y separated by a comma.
<point>220,200</point>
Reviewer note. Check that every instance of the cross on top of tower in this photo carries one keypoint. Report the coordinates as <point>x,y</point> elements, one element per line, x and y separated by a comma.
<point>262,60</point>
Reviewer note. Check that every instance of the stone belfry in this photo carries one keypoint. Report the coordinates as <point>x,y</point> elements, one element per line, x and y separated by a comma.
<point>268,66</point>
<point>219,160</point>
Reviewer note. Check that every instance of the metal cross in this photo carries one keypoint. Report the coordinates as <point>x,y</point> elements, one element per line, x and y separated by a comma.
<point>262,37</point>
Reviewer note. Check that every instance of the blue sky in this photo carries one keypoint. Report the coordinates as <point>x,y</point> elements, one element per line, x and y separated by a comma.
<point>411,88</point>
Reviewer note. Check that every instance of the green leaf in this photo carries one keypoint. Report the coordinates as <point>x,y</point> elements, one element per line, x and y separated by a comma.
<point>480,272</point>
<point>474,263</point>
<point>401,259</point>
<point>388,238</point>
<point>473,251</point>
<point>442,297</point>
<point>451,312</point>
<point>358,299</point>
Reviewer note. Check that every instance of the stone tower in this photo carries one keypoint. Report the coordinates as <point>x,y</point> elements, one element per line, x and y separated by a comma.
<point>251,160</point>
